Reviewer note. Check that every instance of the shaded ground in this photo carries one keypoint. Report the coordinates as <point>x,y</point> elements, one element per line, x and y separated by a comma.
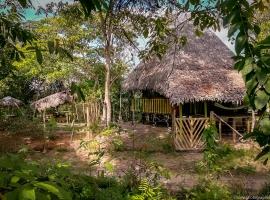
<point>140,143</point>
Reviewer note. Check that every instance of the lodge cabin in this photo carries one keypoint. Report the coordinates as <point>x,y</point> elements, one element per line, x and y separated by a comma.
<point>190,85</point>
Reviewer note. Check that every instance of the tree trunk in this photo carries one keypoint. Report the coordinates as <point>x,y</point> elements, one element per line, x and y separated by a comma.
<point>107,93</point>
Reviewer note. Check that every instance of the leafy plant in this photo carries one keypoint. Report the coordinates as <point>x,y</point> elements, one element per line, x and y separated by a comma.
<point>118,144</point>
<point>148,192</point>
<point>210,154</point>
<point>21,180</point>
<point>206,189</point>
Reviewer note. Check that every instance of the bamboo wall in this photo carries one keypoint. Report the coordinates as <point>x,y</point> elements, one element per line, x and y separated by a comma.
<point>158,106</point>
<point>87,112</point>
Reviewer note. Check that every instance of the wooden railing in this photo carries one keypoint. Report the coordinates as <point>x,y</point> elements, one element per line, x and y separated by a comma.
<point>157,105</point>
<point>86,113</point>
<point>234,127</point>
<point>188,133</point>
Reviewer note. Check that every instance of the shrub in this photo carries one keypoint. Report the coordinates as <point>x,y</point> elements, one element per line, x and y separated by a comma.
<point>21,179</point>
<point>118,144</point>
<point>22,125</point>
<point>206,189</point>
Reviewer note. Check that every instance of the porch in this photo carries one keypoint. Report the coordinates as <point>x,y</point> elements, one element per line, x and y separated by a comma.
<point>189,120</point>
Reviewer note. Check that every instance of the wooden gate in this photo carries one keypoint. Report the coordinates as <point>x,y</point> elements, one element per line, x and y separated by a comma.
<point>188,133</point>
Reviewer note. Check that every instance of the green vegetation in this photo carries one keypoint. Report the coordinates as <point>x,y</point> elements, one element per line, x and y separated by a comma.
<point>207,189</point>
<point>22,179</point>
<point>83,47</point>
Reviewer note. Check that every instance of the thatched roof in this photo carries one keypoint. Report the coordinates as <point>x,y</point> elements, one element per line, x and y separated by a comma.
<point>10,102</point>
<point>199,71</point>
<point>52,101</point>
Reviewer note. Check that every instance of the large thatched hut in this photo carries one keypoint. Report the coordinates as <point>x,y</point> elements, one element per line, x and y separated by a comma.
<point>188,83</point>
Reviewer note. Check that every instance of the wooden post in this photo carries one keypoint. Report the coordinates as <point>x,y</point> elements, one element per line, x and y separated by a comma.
<point>87,117</point>
<point>211,116</point>
<point>83,112</point>
<point>173,119</point>
<point>248,125</point>
<point>234,126</point>
<point>67,118</point>
<point>181,117</point>
<point>88,122</point>
<point>205,108</point>
<point>44,120</point>
<point>219,130</point>
<point>253,120</point>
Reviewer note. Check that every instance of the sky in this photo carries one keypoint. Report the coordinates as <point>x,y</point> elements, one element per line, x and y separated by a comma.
<point>30,15</point>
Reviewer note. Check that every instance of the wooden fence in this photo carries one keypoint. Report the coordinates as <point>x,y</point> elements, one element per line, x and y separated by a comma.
<point>86,113</point>
<point>188,133</point>
<point>157,106</point>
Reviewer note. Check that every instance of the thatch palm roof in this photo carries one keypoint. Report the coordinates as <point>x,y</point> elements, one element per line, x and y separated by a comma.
<point>10,102</point>
<point>199,71</point>
<point>52,101</point>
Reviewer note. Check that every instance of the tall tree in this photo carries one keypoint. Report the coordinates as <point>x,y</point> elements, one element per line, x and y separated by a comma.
<point>117,25</point>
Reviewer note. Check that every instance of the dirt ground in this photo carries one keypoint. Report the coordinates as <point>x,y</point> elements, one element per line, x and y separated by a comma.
<point>140,143</point>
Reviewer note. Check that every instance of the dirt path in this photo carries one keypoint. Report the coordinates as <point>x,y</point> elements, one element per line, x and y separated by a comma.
<point>141,143</point>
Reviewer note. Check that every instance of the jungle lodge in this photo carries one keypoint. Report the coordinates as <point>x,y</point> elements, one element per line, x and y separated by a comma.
<point>188,86</point>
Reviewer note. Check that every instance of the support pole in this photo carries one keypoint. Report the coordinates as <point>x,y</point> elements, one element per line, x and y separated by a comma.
<point>253,120</point>
<point>234,134</point>
<point>88,122</point>
<point>220,129</point>
<point>87,117</point>
<point>173,118</point>
<point>181,117</point>
<point>205,108</point>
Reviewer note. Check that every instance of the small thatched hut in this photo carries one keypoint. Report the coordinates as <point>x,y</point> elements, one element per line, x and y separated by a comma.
<point>10,102</point>
<point>52,101</point>
<point>187,82</point>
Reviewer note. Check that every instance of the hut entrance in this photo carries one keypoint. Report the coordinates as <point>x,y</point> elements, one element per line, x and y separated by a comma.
<point>188,133</point>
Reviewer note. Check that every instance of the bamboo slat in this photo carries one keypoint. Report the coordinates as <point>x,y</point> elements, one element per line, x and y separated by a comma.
<point>188,133</point>
<point>158,106</point>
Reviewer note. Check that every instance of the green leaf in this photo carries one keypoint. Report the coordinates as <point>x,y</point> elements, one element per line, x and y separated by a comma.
<point>261,75</point>
<point>39,55</point>
<point>145,33</point>
<point>194,2</point>
<point>257,29</point>
<point>198,33</point>
<point>23,3</point>
<point>14,179</point>
<point>261,99</point>
<point>239,64</point>
<point>50,45</point>
<point>54,189</point>
<point>265,126</point>
<point>27,193</point>
<point>267,86</point>
<point>11,195</point>
<point>240,43</point>
<point>264,151</point>
<point>233,29</point>
<point>42,196</point>
<point>248,67</point>
<point>251,85</point>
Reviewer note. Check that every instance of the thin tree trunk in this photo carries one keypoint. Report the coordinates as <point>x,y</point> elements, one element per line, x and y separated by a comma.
<point>107,95</point>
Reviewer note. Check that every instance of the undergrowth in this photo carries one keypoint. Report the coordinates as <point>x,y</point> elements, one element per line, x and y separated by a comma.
<point>25,180</point>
